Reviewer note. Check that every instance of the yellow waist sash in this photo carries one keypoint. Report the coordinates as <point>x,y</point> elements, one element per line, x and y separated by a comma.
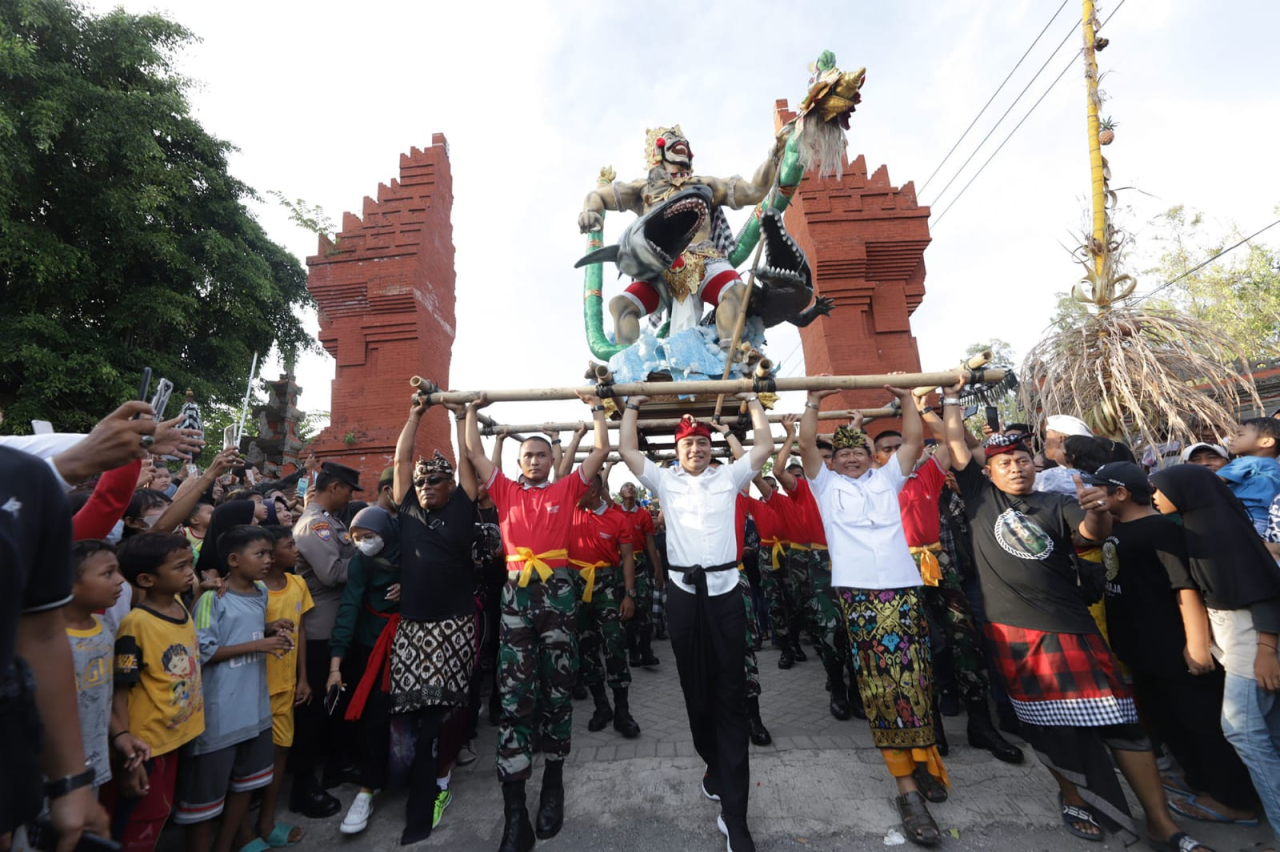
<point>535,562</point>
<point>775,555</point>
<point>588,572</point>
<point>930,570</point>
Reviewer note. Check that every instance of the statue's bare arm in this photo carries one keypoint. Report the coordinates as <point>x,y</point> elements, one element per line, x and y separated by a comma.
<point>737,192</point>
<point>614,196</point>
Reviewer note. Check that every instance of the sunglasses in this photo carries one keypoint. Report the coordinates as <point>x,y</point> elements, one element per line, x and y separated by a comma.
<point>431,480</point>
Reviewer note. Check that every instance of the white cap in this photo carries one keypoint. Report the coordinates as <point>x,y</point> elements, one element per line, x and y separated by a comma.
<point>1067,425</point>
<point>1217,448</point>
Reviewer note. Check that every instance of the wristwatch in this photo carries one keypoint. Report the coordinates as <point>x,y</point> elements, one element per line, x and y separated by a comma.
<point>631,593</point>
<point>63,786</point>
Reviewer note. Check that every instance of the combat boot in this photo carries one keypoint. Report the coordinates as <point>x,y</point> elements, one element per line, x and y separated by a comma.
<point>983,734</point>
<point>797,652</point>
<point>759,733</point>
<point>839,696</point>
<point>623,723</point>
<point>603,714</point>
<point>785,660</point>
<point>551,800</point>
<point>517,832</point>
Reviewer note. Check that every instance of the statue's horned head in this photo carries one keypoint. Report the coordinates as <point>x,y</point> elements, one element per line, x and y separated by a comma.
<point>667,145</point>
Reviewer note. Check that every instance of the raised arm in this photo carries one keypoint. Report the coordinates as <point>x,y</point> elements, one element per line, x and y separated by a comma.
<point>912,430</point>
<point>499,438</point>
<point>761,433</point>
<point>565,464</point>
<point>735,446</point>
<point>595,460</point>
<point>190,492</point>
<point>784,452</point>
<point>475,449</point>
<point>402,476</point>
<point>610,196</point>
<point>743,193</point>
<point>466,470</point>
<point>629,439</point>
<point>809,455</point>
<point>933,424</point>
<point>953,427</point>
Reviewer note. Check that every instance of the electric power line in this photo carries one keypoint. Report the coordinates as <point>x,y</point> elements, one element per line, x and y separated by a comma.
<point>999,89</point>
<point>1061,74</point>
<point>1206,262</point>
<point>1005,114</point>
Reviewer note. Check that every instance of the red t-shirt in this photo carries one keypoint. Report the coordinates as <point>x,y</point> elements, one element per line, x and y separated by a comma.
<point>768,524</point>
<point>810,531</point>
<point>536,518</point>
<point>596,537</point>
<point>918,501</point>
<point>641,526</point>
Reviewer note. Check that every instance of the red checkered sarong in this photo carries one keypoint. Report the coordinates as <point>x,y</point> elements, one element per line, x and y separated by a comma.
<point>1059,679</point>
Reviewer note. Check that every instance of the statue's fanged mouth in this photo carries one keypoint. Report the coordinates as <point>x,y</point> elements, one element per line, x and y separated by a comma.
<point>785,264</point>
<point>671,232</point>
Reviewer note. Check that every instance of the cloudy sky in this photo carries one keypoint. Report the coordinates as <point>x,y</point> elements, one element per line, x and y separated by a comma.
<point>535,97</point>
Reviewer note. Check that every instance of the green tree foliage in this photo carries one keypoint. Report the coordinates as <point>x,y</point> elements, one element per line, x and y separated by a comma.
<point>124,241</point>
<point>1239,294</point>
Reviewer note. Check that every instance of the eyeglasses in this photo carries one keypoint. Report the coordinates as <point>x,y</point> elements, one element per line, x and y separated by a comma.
<point>430,480</point>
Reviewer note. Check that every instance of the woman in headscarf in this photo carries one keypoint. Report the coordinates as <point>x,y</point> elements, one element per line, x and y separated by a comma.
<point>1240,583</point>
<point>232,514</point>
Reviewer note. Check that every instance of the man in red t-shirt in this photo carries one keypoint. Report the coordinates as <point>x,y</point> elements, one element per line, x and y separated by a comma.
<point>777,520</point>
<point>648,577</point>
<point>538,619</point>
<point>810,567</point>
<point>600,547</point>
<point>942,593</point>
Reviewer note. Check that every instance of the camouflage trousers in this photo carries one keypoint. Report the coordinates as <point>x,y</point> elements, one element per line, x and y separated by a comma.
<point>537,666</point>
<point>822,613</point>
<point>600,629</point>
<point>753,630</point>
<point>949,611</point>
<point>784,617</point>
<point>639,629</point>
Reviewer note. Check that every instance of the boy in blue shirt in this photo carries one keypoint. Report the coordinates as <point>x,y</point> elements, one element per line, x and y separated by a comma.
<point>1254,474</point>
<point>234,755</point>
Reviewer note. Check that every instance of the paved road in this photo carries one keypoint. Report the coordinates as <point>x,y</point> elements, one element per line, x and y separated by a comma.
<point>821,787</point>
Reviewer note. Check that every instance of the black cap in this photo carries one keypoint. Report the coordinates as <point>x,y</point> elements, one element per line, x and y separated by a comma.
<point>387,478</point>
<point>1121,474</point>
<point>342,473</point>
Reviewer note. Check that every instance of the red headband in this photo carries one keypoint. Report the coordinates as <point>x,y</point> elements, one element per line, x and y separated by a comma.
<point>690,428</point>
<point>1000,444</point>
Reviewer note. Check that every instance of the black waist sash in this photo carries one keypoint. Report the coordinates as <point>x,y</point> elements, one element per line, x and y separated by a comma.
<point>696,576</point>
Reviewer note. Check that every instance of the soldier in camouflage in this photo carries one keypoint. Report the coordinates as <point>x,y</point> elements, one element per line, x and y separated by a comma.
<point>640,630</point>
<point>537,657</point>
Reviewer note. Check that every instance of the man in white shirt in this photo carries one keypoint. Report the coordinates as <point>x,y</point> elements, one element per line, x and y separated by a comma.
<point>877,584</point>
<point>705,616</point>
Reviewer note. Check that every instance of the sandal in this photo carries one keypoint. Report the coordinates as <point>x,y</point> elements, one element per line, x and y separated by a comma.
<point>921,829</point>
<point>1180,842</point>
<point>279,836</point>
<point>1072,814</point>
<point>1178,806</point>
<point>1176,786</point>
<point>931,788</point>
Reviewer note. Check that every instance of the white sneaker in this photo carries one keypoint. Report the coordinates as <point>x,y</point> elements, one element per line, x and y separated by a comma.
<point>357,818</point>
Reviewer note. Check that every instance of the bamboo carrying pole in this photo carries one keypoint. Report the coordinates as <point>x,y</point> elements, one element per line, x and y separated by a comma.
<point>1096,167</point>
<point>706,388</point>
<point>570,425</point>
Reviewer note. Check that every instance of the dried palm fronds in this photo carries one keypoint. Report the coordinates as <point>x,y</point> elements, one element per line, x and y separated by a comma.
<point>1139,373</point>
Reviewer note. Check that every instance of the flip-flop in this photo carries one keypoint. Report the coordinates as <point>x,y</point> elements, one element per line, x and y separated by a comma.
<point>1176,786</point>
<point>1072,814</point>
<point>257,845</point>
<point>1180,842</point>
<point>279,836</point>
<point>1214,816</point>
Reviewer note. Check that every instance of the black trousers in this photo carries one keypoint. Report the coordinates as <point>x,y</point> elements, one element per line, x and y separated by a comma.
<point>315,731</point>
<point>719,725</point>
<point>1184,712</point>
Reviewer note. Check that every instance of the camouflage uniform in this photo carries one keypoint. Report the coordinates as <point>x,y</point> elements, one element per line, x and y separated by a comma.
<point>783,617</point>
<point>639,630</point>
<point>600,628</point>
<point>753,630</point>
<point>822,615</point>
<point>948,609</point>
<point>537,664</point>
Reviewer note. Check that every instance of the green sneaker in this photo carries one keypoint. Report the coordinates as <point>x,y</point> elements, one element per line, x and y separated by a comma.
<point>443,798</point>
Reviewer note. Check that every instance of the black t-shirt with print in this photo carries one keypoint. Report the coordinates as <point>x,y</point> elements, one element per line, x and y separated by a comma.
<point>437,575</point>
<point>1025,558</point>
<point>1146,562</point>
